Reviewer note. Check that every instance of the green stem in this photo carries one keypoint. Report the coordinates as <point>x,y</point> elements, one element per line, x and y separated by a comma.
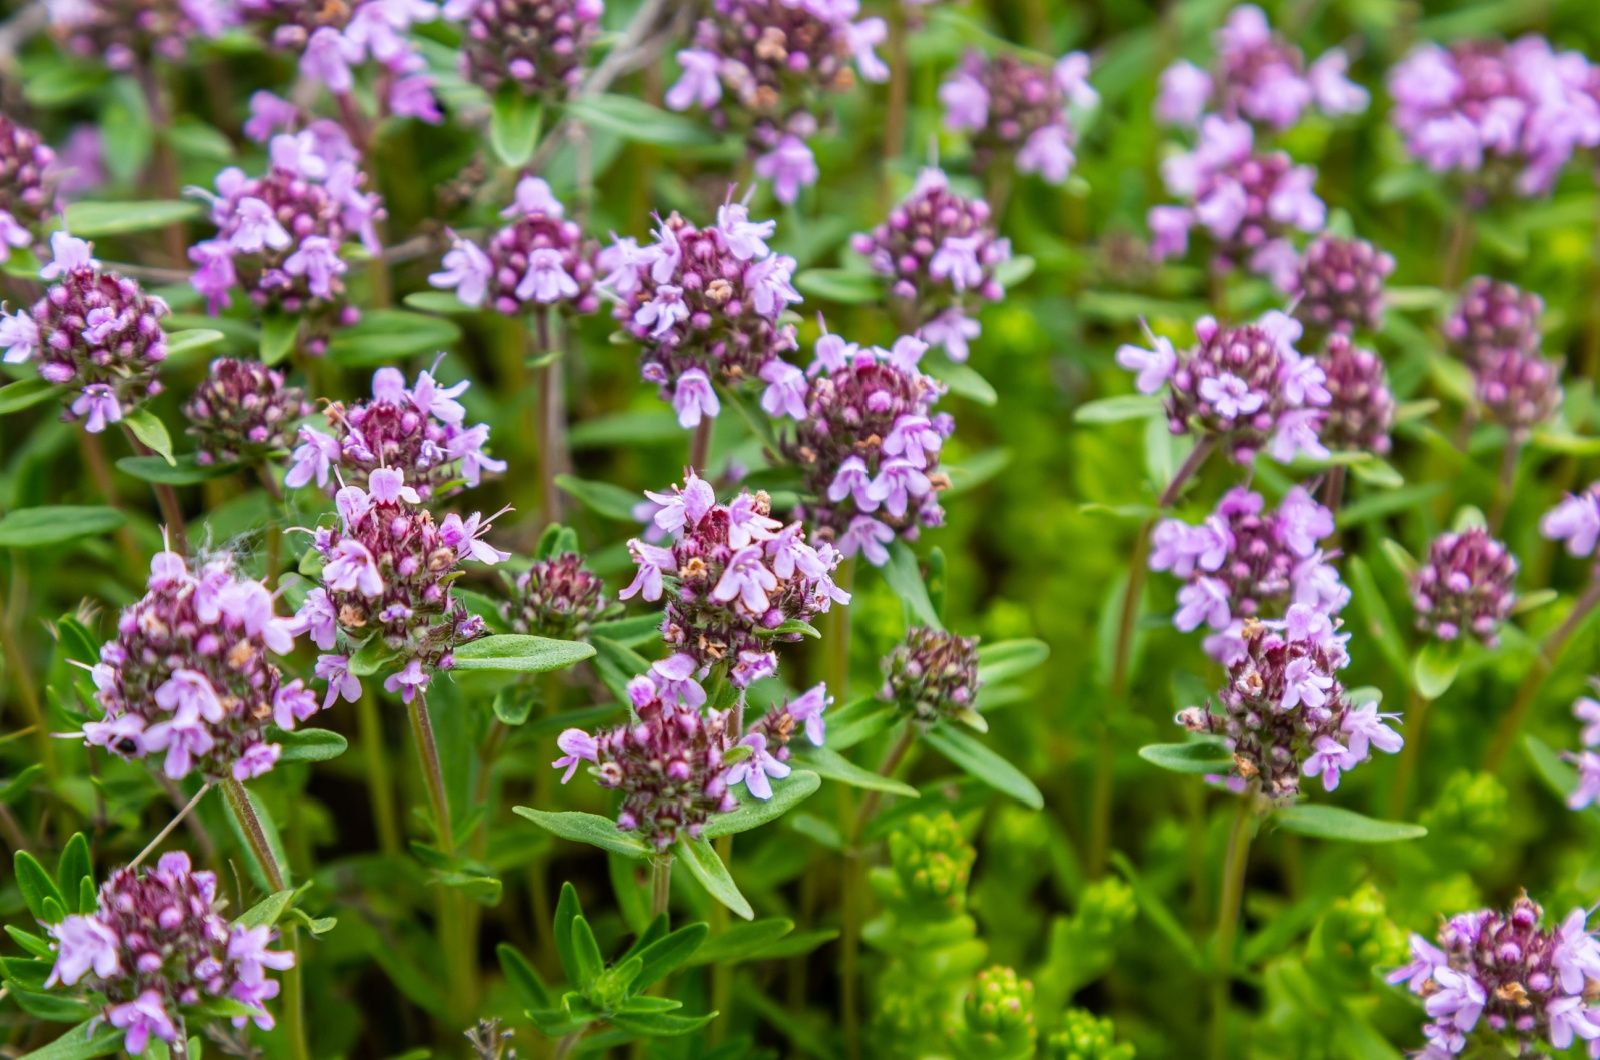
<point>166,498</point>
<point>1410,753</point>
<point>16,660</point>
<point>380,786</point>
<point>721,971</point>
<point>700,445</point>
<point>891,762</point>
<point>432,772</point>
<point>1543,663</point>
<point>1235,863</point>
<point>94,459</point>
<point>552,417</point>
<point>660,885</point>
<point>454,916</point>
<point>1504,484</point>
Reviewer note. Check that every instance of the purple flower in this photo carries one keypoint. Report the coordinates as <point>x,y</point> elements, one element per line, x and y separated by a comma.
<point>753,772</point>
<point>144,1016</point>
<point>576,746</point>
<point>675,682</point>
<point>1154,366</point>
<point>785,394</point>
<point>83,943</point>
<point>1576,521</point>
<point>1185,92</point>
<point>869,537</point>
<point>746,579</point>
<point>790,166</point>
<point>351,567</point>
<point>467,270</point>
<point>409,681</point>
<point>699,85</point>
<point>342,684</point>
<point>1202,602</point>
<point>693,397</point>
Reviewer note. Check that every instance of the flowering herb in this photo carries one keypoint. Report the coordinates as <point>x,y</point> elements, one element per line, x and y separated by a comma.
<point>1020,112</point>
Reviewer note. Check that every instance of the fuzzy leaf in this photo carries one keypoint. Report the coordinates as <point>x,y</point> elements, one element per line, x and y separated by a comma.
<point>634,119</point>
<point>514,123</point>
<point>979,760</point>
<point>588,828</point>
<point>604,498</point>
<point>149,429</point>
<point>665,955</point>
<point>703,864</point>
<point>753,812</point>
<point>1434,668</point>
<point>832,765</point>
<point>91,220</point>
<point>905,578</point>
<point>310,745</point>
<point>26,393</point>
<point>280,333</point>
<point>36,886</point>
<point>1200,756</point>
<point>520,653</point>
<point>1336,822</point>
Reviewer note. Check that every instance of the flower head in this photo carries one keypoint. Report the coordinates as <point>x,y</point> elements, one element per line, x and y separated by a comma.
<point>243,409</point>
<point>1019,109</point>
<point>931,674</point>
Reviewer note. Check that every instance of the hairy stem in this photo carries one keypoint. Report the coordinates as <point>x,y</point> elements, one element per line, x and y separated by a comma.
<point>1235,862</point>
<point>700,444</point>
<point>552,417</point>
<point>1543,663</point>
<point>380,786</point>
<point>161,836</point>
<point>660,884</point>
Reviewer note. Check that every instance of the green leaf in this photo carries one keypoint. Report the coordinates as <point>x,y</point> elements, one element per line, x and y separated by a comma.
<point>1005,659</point>
<point>372,656</point>
<point>588,828</point>
<point>268,911</point>
<point>383,336</point>
<point>181,344</point>
<point>963,379</point>
<point>859,720</point>
<point>514,123</point>
<point>843,286</point>
<point>520,653</point>
<point>659,1024</point>
<point>905,578</point>
<point>978,760</point>
<point>90,220</point>
<point>82,1042</point>
<point>149,429</point>
<point>1435,667</point>
<point>634,119</point>
<point>753,812</point>
<point>26,393</point>
<point>310,745</point>
<point>1381,627</point>
<point>73,866</point>
<point>635,629</point>
<point>704,865</point>
<point>1118,409</point>
<point>641,427</point>
<point>523,977</point>
<point>605,498</point>
<point>1336,822</point>
<point>280,334</point>
<point>513,705</point>
<point>975,471</point>
<point>828,763</point>
<point>36,885</point>
<point>443,303</point>
<point>788,626</point>
<point>662,957</point>
<point>1014,270</point>
<point>1200,757</point>
<point>1557,773</point>
<point>567,911</point>
<point>184,470</point>
<point>586,951</point>
<point>55,524</point>
<point>742,941</point>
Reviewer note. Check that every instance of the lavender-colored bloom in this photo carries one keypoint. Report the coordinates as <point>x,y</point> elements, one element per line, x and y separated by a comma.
<point>1247,385</point>
<point>788,166</point>
<point>94,332</point>
<point>387,573</point>
<point>803,713</point>
<point>1576,521</point>
<point>1504,979</point>
<point>538,45</point>
<point>1491,319</point>
<point>1020,110</point>
<point>931,674</point>
<point>1283,713</point>
<point>706,304</point>
<point>1338,286</point>
<point>1361,407</point>
<point>157,947</point>
<point>189,672</point>
<point>538,259</point>
<point>557,597</point>
<point>126,33</point>
<point>242,410</point>
<point>1519,390</point>
<point>757,770</point>
<point>735,574</point>
<point>29,178</point>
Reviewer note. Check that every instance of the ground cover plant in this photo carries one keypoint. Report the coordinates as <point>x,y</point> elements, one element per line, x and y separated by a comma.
<point>829,528</point>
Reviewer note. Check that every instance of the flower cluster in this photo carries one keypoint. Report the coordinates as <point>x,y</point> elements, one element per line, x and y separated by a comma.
<point>158,949</point>
<point>1259,76</point>
<point>1587,761</point>
<point>280,236</point>
<point>1284,712</point>
<point>1495,330</point>
<point>537,45</point>
<point>333,38</point>
<point>189,674</point>
<point>778,726</point>
<point>707,304</point>
<point>1360,406</point>
<point>867,441</point>
<point>243,409</point>
<point>1243,563</point>
<point>1519,391</point>
<point>386,574</point>
<point>1018,111</point>
<point>1506,117</point>
<point>670,765</point>
<point>557,597</point>
<point>1248,386</point>
<point>1338,286</point>
<point>938,249</point>
<point>27,186</point>
<point>125,33</point>
<point>732,576</point>
<point>1465,586</point>
<point>1526,987</point>
<point>931,674</point>
<point>761,67</point>
<point>1576,521</point>
<point>418,431</point>
<point>1248,202</point>
<point>538,259</point>
<point>94,331</point>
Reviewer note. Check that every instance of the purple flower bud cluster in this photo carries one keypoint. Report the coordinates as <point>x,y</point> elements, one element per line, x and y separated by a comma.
<point>1361,406</point>
<point>386,573</point>
<point>1246,385</point>
<point>1576,521</point>
<point>762,68</point>
<point>1018,110</point>
<point>537,45</point>
<point>332,39</point>
<point>557,597</point>
<point>93,331</point>
<point>1465,586</point>
<point>1338,286</point>
<point>867,442</point>
<point>124,33</point>
<point>1587,761</point>
<point>1519,391</point>
<point>707,304</point>
<point>27,186</point>
<point>243,410</point>
<point>670,765</point>
<point>931,674</point>
<point>538,259</point>
<point>732,576</point>
<point>940,251</point>
<point>1259,76</point>
<point>158,949</point>
<point>1503,979</point>
<point>1505,117</point>
<point>188,674</point>
<point>418,431</point>
<point>1247,202</point>
<point>280,236</point>
<point>1283,711</point>
<point>1493,318</point>
<point>1243,563</point>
